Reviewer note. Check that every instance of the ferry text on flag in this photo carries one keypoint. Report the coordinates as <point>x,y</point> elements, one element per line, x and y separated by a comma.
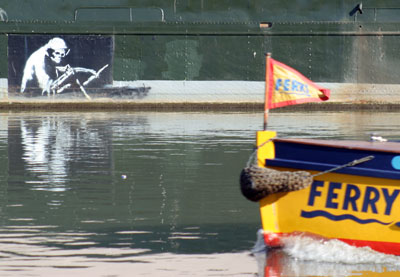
<point>286,86</point>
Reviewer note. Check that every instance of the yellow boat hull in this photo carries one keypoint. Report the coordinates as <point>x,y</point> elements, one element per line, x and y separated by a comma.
<point>359,210</point>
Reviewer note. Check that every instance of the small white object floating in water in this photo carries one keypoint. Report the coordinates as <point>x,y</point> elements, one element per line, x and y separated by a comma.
<point>375,137</point>
<point>123,176</point>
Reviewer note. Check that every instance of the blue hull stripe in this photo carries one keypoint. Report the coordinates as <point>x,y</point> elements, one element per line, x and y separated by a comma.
<point>321,158</point>
<point>357,171</point>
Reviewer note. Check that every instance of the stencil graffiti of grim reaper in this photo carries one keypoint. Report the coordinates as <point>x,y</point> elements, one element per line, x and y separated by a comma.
<point>46,69</point>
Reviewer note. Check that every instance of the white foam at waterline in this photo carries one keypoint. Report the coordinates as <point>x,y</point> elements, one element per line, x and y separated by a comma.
<point>309,248</point>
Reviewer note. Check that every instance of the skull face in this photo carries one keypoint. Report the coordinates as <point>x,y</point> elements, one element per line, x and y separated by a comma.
<point>59,54</point>
<point>57,49</point>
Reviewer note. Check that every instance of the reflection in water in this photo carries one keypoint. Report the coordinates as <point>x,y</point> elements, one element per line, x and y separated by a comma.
<point>40,156</point>
<point>83,191</point>
<point>114,176</point>
<point>51,146</point>
<point>278,263</point>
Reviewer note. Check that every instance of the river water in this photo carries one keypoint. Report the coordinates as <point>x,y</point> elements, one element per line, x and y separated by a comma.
<point>155,194</point>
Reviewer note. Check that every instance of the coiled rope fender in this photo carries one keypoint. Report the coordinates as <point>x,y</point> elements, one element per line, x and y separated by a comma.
<point>257,182</point>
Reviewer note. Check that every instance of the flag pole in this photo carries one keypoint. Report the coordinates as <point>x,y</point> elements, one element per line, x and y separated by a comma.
<point>267,57</point>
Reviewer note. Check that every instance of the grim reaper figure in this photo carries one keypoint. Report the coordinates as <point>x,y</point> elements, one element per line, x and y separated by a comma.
<point>46,69</point>
<point>41,67</point>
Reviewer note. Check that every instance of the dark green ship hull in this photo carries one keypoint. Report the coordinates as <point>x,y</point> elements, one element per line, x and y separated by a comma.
<point>201,50</point>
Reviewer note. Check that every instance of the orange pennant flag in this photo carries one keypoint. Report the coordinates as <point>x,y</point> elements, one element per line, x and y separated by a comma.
<point>286,86</point>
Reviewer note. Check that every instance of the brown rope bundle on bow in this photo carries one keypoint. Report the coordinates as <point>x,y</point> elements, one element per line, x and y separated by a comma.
<point>257,182</point>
